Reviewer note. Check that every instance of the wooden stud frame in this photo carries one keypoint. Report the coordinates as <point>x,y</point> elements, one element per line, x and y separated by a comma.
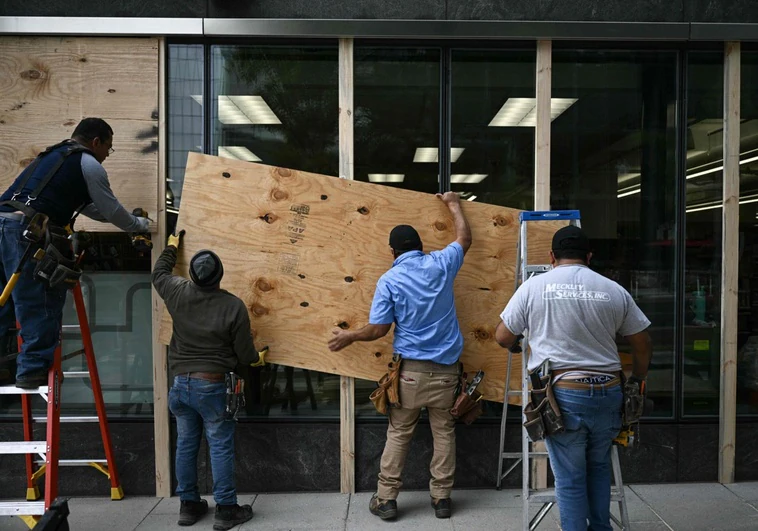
<point>544,79</point>
<point>346,154</point>
<point>160,362</point>
<point>729,268</point>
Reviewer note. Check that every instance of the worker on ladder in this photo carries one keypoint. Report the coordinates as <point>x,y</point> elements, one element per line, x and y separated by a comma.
<point>64,180</point>
<point>572,316</point>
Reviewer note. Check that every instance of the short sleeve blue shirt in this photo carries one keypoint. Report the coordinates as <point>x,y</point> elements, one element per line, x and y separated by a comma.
<point>417,295</point>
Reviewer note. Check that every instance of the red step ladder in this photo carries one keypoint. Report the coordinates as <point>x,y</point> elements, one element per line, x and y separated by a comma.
<point>48,450</point>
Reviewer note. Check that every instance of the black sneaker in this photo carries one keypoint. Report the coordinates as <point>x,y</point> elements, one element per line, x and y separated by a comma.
<point>227,516</point>
<point>442,508</point>
<point>384,509</point>
<point>191,511</point>
<point>32,380</point>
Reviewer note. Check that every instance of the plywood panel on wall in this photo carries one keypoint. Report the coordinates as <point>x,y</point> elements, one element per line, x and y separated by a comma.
<point>305,251</point>
<point>48,84</point>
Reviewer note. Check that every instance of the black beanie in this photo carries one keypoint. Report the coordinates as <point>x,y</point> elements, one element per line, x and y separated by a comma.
<point>404,238</point>
<point>206,268</point>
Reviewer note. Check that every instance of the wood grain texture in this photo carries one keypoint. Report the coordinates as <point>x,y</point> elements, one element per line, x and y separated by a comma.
<point>305,251</point>
<point>162,421</point>
<point>48,84</point>
<point>542,130</point>
<point>347,152</point>
<point>730,268</point>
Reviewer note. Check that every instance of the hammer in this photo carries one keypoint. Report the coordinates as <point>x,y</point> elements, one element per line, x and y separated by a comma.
<point>33,233</point>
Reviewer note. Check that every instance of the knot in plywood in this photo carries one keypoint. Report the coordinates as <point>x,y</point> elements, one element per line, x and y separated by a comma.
<point>481,335</point>
<point>279,195</point>
<point>363,210</point>
<point>263,285</point>
<point>284,172</point>
<point>268,218</point>
<point>440,226</point>
<point>499,221</point>
<point>31,75</point>
<point>258,310</point>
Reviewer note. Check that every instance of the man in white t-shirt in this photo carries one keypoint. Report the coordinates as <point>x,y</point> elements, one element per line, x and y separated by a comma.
<point>572,315</point>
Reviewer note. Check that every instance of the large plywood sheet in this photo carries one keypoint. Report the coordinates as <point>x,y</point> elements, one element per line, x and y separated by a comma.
<point>48,84</point>
<point>304,252</point>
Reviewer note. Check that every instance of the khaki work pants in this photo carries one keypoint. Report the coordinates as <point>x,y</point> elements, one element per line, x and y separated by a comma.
<point>436,392</point>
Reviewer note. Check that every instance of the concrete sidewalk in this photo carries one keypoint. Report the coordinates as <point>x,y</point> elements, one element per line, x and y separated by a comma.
<point>678,507</point>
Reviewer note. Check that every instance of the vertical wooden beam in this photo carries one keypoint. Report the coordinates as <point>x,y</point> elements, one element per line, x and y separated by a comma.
<point>729,267</point>
<point>160,369</point>
<point>347,385</point>
<point>544,80</point>
<point>542,130</point>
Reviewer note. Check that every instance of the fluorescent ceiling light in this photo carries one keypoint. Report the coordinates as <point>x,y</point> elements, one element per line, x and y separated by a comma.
<point>431,154</point>
<point>719,168</point>
<point>386,177</point>
<point>237,152</point>
<point>467,178</point>
<point>471,198</point>
<point>243,110</point>
<point>719,204</point>
<point>522,112</point>
<point>624,177</point>
<point>628,191</point>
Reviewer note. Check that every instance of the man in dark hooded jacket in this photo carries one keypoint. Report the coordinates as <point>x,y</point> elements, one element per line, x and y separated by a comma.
<point>211,336</point>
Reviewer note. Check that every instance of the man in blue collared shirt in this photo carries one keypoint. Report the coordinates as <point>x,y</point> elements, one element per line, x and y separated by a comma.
<point>417,295</point>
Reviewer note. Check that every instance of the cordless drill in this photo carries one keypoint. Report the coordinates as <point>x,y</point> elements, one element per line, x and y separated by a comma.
<point>141,240</point>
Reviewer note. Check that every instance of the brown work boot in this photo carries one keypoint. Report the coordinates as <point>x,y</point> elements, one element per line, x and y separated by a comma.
<point>442,508</point>
<point>384,509</point>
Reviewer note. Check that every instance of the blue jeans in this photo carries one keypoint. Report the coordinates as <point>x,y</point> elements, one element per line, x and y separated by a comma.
<point>37,309</point>
<point>199,404</point>
<point>581,456</point>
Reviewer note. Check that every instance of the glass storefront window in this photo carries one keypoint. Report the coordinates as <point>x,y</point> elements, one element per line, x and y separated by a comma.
<point>117,295</point>
<point>397,117</point>
<point>278,105</point>
<point>701,365</point>
<point>747,339</point>
<point>613,158</point>
<point>493,101</point>
<point>185,116</point>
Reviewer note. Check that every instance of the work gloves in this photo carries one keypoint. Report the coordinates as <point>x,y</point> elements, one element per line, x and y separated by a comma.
<point>261,357</point>
<point>175,240</point>
<point>141,240</point>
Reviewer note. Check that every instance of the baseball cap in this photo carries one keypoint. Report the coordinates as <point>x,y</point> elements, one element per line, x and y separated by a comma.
<point>570,238</point>
<point>404,238</point>
<point>206,268</point>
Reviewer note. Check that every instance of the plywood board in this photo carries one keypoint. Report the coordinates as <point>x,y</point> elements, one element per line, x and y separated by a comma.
<point>305,251</point>
<point>48,84</point>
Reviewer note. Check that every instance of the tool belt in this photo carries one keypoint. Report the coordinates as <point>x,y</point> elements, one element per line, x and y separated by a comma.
<point>235,395</point>
<point>634,402</point>
<point>542,415</point>
<point>387,394</point>
<point>468,406</point>
<point>57,269</point>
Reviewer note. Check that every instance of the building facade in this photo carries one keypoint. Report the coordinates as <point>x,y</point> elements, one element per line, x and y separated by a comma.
<point>638,114</point>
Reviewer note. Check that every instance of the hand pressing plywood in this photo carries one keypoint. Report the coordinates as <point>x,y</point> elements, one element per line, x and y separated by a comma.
<point>305,251</point>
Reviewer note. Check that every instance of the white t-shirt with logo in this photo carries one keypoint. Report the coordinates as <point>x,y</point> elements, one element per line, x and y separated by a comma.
<point>572,315</point>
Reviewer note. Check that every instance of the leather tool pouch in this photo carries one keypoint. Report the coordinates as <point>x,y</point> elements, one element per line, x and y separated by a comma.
<point>634,402</point>
<point>466,408</point>
<point>542,415</point>
<point>57,269</point>
<point>387,394</point>
<point>235,395</point>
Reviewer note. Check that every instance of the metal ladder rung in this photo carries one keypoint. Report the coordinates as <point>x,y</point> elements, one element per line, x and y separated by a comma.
<point>76,374</point>
<point>548,496</point>
<point>68,419</point>
<point>23,447</point>
<point>13,390</point>
<point>518,455</point>
<point>76,462</point>
<point>22,508</point>
<point>71,327</point>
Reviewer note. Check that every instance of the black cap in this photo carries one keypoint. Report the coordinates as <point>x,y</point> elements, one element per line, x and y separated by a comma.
<point>571,238</point>
<point>404,238</point>
<point>206,268</point>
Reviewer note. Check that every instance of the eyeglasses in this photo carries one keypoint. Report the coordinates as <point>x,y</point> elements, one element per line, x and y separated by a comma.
<point>110,151</point>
